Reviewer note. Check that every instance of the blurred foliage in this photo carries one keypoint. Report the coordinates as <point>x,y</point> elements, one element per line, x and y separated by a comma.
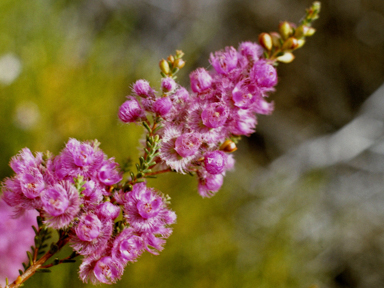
<point>78,60</point>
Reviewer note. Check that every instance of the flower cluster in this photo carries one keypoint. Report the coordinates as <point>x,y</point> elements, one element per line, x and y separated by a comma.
<point>73,192</point>
<point>198,125</point>
<point>111,222</point>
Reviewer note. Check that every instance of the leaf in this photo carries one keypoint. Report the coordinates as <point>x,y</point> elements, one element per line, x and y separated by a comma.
<point>43,270</point>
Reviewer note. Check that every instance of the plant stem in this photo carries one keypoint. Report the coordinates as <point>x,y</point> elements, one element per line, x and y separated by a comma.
<point>159,172</point>
<point>39,264</point>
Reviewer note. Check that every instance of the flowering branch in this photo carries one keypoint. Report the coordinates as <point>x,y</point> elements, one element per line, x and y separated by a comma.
<point>111,222</point>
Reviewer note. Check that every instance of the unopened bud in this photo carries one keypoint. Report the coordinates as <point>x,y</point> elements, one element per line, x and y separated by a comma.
<point>179,53</point>
<point>285,30</point>
<point>314,10</point>
<point>228,146</point>
<point>276,39</point>
<point>164,66</point>
<point>179,63</point>
<point>265,40</point>
<point>310,32</point>
<point>171,58</point>
<point>301,43</point>
<point>299,32</point>
<point>288,57</point>
<point>290,44</point>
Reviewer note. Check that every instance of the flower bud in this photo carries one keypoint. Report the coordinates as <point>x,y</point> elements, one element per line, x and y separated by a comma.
<point>215,162</point>
<point>179,63</point>
<point>162,106</point>
<point>168,84</point>
<point>164,66</point>
<point>276,39</point>
<point>290,44</point>
<point>301,43</point>
<point>299,32</point>
<point>179,53</point>
<point>288,57</point>
<point>130,111</point>
<point>171,58</point>
<point>142,88</point>
<point>285,30</point>
<point>265,40</point>
<point>310,32</point>
<point>228,146</point>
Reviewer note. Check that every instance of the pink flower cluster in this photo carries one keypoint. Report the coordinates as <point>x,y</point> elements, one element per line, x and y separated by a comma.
<point>16,238</point>
<point>222,105</point>
<point>73,191</point>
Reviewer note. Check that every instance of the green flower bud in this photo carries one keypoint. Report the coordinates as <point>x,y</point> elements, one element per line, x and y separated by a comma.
<point>285,30</point>
<point>164,66</point>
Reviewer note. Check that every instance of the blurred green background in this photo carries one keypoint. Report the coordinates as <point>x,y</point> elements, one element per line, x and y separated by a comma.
<point>66,66</point>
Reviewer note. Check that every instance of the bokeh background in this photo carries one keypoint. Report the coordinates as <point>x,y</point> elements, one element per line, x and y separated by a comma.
<point>305,205</point>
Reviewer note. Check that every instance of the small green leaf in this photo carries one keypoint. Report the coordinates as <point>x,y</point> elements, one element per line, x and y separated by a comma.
<point>35,229</point>
<point>69,261</point>
<point>146,126</point>
<point>30,258</point>
<point>43,270</point>
<point>151,176</point>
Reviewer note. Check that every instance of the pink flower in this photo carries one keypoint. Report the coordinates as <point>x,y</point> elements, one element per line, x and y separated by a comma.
<point>92,235</point>
<point>141,88</point>
<point>187,144</point>
<point>108,174</point>
<point>25,160</point>
<point>215,162</point>
<point>31,182</point>
<point>61,204</point>
<point>214,115</point>
<point>251,51</point>
<point>107,270</point>
<point>108,210</point>
<point>146,212</point>
<point>127,247</point>
<point>78,158</point>
<point>131,111</point>
<point>245,94</point>
<point>168,84</point>
<point>209,184</point>
<point>200,80</point>
<point>224,61</point>
<point>264,74</point>
<point>100,269</point>
<point>162,106</point>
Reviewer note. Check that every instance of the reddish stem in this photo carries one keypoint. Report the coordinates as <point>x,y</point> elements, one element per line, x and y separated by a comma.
<point>39,264</point>
<point>159,172</point>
